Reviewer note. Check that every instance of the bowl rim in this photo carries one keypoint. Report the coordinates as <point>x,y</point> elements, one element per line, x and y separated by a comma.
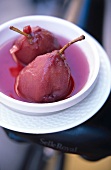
<point>59,105</point>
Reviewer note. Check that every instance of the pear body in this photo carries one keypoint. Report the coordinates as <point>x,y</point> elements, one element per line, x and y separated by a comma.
<point>46,79</point>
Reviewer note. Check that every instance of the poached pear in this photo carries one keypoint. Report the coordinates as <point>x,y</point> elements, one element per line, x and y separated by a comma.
<point>33,42</point>
<point>47,78</point>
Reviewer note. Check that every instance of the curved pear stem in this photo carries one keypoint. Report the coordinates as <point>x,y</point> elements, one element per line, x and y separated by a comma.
<point>61,51</point>
<point>19,31</point>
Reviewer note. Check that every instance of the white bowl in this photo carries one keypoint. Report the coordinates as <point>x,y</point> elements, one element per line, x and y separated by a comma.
<point>69,31</point>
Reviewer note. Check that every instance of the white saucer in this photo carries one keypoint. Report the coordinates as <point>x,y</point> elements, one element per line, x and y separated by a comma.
<point>67,118</point>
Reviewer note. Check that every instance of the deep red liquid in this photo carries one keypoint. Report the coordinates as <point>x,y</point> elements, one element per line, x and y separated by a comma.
<point>9,69</point>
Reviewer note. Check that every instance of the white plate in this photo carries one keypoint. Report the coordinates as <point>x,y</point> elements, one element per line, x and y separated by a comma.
<point>67,118</point>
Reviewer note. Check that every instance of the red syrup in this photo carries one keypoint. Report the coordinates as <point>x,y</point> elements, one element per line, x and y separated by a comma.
<point>9,69</point>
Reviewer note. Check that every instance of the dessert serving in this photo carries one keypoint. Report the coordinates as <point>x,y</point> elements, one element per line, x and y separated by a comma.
<point>44,70</point>
<point>47,78</point>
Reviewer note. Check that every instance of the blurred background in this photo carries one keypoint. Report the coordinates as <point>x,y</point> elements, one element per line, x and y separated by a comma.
<point>91,15</point>
<point>94,17</point>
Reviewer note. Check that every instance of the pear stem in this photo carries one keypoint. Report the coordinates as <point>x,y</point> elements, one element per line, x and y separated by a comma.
<point>61,51</point>
<point>19,31</point>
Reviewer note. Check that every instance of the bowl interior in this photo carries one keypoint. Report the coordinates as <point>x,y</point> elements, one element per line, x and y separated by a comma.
<point>60,28</point>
